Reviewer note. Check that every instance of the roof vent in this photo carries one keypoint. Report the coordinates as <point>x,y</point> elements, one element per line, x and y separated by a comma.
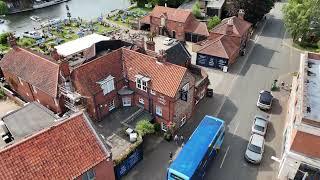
<point>310,73</point>
<point>5,134</point>
<point>308,109</point>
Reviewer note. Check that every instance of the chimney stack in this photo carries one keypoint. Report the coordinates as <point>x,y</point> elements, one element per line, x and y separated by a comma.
<point>54,54</point>
<point>241,14</point>
<point>229,29</point>
<point>12,41</point>
<point>162,56</point>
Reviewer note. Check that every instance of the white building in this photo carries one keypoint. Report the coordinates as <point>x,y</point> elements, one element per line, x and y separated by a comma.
<point>301,148</point>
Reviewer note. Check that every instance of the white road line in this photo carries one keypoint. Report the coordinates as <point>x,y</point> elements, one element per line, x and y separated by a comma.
<point>224,157</point>
<point>235,130</point>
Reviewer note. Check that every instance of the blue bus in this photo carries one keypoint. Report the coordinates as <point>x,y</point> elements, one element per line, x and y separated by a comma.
<point>201,147</point>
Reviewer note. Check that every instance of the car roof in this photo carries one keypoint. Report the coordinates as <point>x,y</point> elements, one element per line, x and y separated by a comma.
<point>260,121</point>
<point>167,38</point>
<point>257,140</point>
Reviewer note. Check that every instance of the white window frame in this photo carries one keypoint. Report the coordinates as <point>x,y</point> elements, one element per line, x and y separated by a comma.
<point>20,80</point>
<point>111,105</point>
<point>126,101</point>
<point>141,100</point>
<point>34,89</point>
<point>38,100</point>
<point>186,87</point>
<point>152,92</point>
<point>108,86</point>
<point>183,120</point>
<point>164,127</point>
<point>142,82</point>
<point>202,93</point>
<point>158,110</point>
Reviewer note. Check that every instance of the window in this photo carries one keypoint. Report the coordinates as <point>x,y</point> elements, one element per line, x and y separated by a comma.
<point>107,85</point>
<point>141,100</point>
<point>38,100</point>
<point>152,92</point>
<point>164,127</point>
<point>158,110</point>
<point>55,101</point>
<point>34,89</point>
<point>89,175</point>
<point>202,93</point>
<point>142,82</point>
<point>126,101</point>
<point>183,120</point>
<point>111,105</point>
<point>185,87</point>
<point>20,80</point>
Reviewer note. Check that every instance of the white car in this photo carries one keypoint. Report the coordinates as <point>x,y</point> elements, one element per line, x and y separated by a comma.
<point>168,41</point>
<point>255,148</point>
<point>265,100</point>
<point>259,126</point>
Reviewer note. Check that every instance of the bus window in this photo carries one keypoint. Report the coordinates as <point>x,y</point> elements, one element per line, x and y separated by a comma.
<point>175,177</point>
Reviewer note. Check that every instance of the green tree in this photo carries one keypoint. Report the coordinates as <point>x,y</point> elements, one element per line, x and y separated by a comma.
<point>302,19</point>
<point>254,9</point>
<point>3,8</point>
<point>144,127</point>
<point>196,10</point>
<point>4,37</point>
<point>215,20</point>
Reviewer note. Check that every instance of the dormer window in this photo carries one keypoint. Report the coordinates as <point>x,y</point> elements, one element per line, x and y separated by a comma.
<point>107,85</point>
<point>142,82</point>
<point>184,92</point>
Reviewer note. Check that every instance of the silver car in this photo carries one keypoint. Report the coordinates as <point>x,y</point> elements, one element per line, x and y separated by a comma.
<point>265,100</point>
<point>255,149</point>
<point>259,126</point>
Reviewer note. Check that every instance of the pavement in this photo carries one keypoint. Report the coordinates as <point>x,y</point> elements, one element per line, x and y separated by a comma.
<point>234,101</point>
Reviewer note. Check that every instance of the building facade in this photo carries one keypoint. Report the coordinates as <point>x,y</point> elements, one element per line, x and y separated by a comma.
<point>301,146</point>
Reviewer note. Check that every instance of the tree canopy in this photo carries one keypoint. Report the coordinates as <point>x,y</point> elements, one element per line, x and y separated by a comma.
<point>254,9</point>
<point>302,19</point>
<point>144,127</point>
<point>215,20</point>
<point>196,10</point>
<point>3,8</point>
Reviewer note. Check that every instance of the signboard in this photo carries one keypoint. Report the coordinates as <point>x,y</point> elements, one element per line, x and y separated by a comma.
<point>211,61</point>
<point>124,167</point>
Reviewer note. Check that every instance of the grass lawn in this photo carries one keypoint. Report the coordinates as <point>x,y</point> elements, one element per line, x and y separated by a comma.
<point>4,47</point>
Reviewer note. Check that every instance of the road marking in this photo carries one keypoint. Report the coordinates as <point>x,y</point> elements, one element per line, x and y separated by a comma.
<point>224,157</point>
<point>235,130</point>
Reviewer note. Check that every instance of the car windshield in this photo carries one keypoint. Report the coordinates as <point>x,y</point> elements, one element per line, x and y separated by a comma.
<point>254,148</point>
<point>259,128</point>
<point>265,98</point>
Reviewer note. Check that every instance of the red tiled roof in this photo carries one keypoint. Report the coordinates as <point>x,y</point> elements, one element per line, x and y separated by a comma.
<point>145,20</point>
<point>197,27</point>
<point>165,77</point>
<point>222,46</point>
<point>173,14</point>
<point>305,143</point>
<point>87,75</point>
<point>239,26</point>
<point>64,151</point>
<point>32,68</point>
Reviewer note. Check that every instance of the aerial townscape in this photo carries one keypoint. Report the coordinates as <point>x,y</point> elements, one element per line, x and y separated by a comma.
<point>160,89</point>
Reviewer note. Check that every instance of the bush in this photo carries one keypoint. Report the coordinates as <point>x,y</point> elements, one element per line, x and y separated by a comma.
<point>3,38</point>
<point>157,127</point>
<point>144,127</point>
<point>167,136</point>
<point>2,94</point>
<point>196,10</point>
<point>3,8</point>
<point>27,42</point>
<point>215,20</point>
<point>318,44</point>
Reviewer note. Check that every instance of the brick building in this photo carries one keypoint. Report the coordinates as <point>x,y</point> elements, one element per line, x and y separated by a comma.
<point>301,146</point>
<point>41,146</point>
<point>128,78</point>
<point>226,42</point>
<point>175,23</point>
<point>34,76</point>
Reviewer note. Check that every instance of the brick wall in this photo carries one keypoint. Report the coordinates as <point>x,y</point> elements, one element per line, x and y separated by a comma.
<point>103,171</point>
<point>29,94</point>
<point>170,25</point>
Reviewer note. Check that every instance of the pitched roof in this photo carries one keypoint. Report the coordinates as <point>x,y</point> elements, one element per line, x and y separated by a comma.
<point>173,14</point>
<point>165,77</point>
<point>305,143</point>
<point>239,26</point>
<point>197,27</point>
<point>37,70</point>
<point>86,76</point>
<point>222,46</point>
<point>64,151</point>
<point>178,54</point>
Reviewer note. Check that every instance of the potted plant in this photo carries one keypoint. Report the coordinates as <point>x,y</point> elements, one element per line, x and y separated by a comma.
<point>167,136</point>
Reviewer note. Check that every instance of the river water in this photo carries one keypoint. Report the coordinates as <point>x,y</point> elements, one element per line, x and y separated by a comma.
<point>86,9</point>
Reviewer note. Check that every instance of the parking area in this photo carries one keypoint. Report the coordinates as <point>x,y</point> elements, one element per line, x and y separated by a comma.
<point>7,106</point>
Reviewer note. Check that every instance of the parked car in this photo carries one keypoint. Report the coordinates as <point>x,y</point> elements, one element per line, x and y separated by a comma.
<point>259,126</point>
<point>35,18</point>
<point>32,34</point>
<point>265,100</point>
<point>255,148</point>
<point>2,21</point>
<point>168,41</point>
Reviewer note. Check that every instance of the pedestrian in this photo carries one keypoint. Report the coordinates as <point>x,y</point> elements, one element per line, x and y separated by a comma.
<point>176,139</point>
<point>182,139</point>
<point>282,84</point>
<point>170,157</point>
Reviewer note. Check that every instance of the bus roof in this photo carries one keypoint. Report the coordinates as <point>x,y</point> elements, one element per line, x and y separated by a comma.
<point>193,151</point>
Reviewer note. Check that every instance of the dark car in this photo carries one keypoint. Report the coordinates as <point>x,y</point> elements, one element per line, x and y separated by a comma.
<point>265,100</point>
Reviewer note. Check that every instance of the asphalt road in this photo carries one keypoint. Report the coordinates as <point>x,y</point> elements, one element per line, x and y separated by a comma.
<point>269,60</point>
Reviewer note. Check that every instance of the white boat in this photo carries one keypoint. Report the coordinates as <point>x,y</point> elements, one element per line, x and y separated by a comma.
<point>32,34</point>
<point>35,18</point>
